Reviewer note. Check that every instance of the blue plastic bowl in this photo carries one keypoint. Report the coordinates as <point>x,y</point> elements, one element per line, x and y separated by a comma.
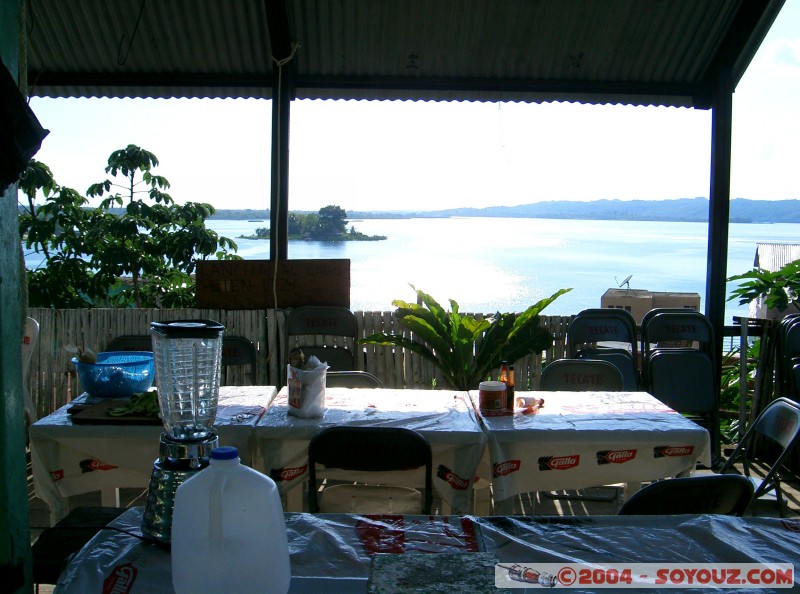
<point>117,374</point>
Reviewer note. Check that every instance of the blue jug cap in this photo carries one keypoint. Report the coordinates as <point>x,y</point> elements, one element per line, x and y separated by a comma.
<point>224,453</point>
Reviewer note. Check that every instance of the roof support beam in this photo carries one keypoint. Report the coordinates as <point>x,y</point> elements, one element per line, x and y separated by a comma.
<point>719,211</point>
<point>281,50</point>
<point>279,199</point>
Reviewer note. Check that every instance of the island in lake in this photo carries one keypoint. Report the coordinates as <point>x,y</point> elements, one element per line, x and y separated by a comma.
<point>329,224</point>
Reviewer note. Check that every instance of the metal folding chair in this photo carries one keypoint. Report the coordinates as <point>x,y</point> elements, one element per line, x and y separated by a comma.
<point>581,375</point>
<point>778,425</point>
<point>728,494</point>
<point>608,334</point>
<point>328,333</point>
<point>369,450</point>
<point>236,351</point>
<point>679,366</point>
<point>352,379</point>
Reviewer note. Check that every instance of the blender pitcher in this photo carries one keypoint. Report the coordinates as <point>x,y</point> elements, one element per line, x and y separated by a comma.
<point>188,357</point>
<point>188,361</point>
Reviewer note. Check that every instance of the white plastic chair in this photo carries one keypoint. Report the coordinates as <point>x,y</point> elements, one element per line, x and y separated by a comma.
<point>30,337</point>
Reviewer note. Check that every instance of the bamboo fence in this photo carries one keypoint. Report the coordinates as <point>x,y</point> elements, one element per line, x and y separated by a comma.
<point>53,381</point>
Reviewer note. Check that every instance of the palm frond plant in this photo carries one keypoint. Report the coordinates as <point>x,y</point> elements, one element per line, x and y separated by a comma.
<point>465,348</point>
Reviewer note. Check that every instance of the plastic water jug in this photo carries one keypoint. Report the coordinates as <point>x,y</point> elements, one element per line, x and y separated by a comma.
<point>228,531</point>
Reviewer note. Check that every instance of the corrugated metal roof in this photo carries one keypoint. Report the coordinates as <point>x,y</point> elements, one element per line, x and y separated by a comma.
<point>662,52</point>
<point>774,256</point>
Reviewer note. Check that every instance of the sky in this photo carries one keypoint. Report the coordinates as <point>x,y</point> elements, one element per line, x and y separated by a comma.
<point>424,156</point>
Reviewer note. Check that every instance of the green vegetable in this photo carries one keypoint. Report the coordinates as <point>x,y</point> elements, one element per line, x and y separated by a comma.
<point>143,403</point>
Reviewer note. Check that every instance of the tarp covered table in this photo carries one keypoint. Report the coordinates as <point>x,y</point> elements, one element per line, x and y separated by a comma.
<point>332,552</point>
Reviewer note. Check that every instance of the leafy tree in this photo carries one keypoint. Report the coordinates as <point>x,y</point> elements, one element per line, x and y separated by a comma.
<point>88,252</point>
<point>332,221</point>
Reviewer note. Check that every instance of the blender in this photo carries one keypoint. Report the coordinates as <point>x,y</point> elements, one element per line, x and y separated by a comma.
<point>188,360</point>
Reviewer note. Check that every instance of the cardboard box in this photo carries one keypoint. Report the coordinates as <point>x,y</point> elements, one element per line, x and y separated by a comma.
<point>248,284</point>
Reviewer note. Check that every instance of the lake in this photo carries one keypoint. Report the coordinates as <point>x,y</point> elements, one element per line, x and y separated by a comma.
<point>491,264</point>
<point>503,264</point>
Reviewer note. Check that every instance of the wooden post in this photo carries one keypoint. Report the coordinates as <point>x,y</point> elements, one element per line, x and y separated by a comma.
<point>15,551</point>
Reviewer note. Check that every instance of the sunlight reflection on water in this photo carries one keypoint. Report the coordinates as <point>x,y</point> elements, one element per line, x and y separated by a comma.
<point>497,264</point>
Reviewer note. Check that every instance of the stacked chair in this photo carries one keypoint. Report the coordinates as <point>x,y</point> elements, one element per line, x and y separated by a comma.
<point>787,357</point>
<point>607,334</point>
<point>679,365</point>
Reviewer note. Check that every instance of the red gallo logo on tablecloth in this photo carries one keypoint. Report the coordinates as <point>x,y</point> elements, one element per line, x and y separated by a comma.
<point>287,474</point>
<point>672,451</point>
<point>558,462</point>
<point>507,467</point>
<point>57,475</point>
<point>90,465</point>
<point>121,579</point>
<point>451,478</point>
<point>615,456</point>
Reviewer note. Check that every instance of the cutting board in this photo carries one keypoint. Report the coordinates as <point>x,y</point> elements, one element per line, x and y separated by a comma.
<point>97,414</point>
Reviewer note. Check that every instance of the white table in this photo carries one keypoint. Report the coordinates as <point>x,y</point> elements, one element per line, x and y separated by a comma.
<point>331,553</point>
<point>444,417</point>
<point>587,439</point>
<point>70,458</point>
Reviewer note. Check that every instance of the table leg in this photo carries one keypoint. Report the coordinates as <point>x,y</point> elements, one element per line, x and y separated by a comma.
<point>631,488</point>
<point>294,499</point>
<point>109,497</point>
<point>504,507</point>
<point>481,498</point>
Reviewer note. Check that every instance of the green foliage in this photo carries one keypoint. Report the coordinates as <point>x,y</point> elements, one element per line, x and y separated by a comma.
<point>466,348</point>
<point>730,385</point>
<point>88,252</point>
<point>332,222</point>
<point>779,289</point>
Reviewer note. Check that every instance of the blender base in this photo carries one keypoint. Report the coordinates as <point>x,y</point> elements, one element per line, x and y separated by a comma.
<point>177,462</point>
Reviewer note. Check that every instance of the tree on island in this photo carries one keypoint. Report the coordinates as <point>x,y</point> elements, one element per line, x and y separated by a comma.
<point>329,224</point>
<point>332,222</point>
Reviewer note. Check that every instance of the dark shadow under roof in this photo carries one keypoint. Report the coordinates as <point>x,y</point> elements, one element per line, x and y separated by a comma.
<point>640,52</point>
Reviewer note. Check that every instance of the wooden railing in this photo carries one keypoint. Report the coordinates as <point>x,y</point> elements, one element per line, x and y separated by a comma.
<point>53,380</point>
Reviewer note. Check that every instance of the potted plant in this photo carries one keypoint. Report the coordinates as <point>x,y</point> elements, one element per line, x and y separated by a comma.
<point>466,348</point>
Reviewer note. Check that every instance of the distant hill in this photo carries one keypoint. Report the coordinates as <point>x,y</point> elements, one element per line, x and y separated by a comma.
<point>742,210</point>
<point>684,209</point>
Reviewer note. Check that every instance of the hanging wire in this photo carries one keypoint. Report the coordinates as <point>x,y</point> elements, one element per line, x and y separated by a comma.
<point>121,60</point>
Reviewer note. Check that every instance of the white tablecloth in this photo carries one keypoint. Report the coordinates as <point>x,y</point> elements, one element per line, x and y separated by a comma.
<point>331,553</point>
<point>586,439</point>
<point>446,419</point>
<point>69,459</point>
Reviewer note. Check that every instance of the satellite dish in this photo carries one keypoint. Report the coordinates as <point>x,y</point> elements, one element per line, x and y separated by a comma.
<point>626,282</point>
